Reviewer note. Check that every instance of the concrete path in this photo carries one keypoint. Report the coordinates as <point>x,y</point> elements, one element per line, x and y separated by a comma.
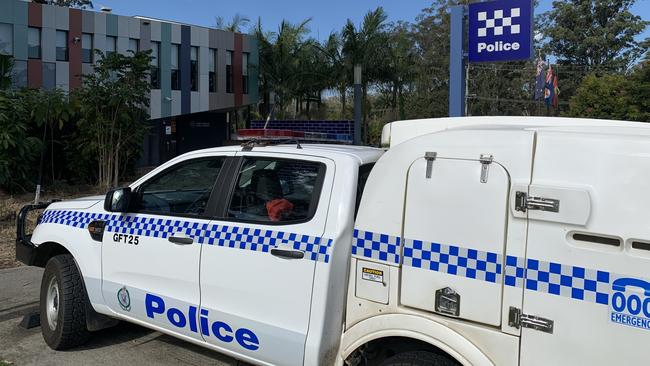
<point>123,344</point>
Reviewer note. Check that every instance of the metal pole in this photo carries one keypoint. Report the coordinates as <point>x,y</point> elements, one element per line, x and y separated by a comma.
<point>456,63</point>
<point>357,104</point>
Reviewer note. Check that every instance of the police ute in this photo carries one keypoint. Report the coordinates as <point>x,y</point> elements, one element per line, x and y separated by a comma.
<point>472,241</point>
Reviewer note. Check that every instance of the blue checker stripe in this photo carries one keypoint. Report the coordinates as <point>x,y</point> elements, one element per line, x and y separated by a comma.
<point>377,246</point>
<point>551,278</point>
<point>454,260</point>
<point>229,236</point>
<point>569,281</point>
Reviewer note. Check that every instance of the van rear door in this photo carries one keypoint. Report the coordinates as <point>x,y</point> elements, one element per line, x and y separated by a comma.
<point>454,237</point>
<point>587,279</point>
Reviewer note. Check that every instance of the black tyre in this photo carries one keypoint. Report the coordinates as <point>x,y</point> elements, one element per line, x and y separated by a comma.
<point>419,358</point>
<point>63,304</point>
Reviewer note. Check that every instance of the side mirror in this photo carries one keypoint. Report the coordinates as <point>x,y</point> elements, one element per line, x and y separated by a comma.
<point>117,200</point>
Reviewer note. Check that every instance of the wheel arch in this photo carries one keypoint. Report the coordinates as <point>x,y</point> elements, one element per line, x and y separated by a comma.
<point>45,251</point>
<point>416,329</point>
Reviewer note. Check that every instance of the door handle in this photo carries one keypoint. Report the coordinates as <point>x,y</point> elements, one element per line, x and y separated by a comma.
<point>181,240</point>
<point>287,253</point>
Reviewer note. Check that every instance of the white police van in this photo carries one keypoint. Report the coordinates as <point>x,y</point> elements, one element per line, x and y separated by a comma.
<point>477,241</point>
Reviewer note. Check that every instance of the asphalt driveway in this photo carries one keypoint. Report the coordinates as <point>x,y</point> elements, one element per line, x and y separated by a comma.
<point>123,344</point>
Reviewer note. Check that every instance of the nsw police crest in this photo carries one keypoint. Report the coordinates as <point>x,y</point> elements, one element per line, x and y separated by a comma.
<point>124,299</point>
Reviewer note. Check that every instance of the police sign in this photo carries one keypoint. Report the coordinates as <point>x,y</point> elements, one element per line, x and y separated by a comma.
<point>500,30</point>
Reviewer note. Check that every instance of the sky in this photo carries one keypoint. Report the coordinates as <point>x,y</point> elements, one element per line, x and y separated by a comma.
<point>327,15</point>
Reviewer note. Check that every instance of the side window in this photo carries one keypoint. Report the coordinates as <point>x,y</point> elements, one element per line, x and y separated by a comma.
<point>183,189</point>
<point>276,190</point>
<point>364,173</point>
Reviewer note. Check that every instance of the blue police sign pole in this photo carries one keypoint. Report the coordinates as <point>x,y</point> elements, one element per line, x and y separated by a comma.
<point>500,30</point>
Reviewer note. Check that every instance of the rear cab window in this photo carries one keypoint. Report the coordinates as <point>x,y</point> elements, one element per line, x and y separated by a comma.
<point>276,190</point>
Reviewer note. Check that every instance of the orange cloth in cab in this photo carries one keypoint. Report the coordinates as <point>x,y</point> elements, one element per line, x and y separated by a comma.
<point>278,208</point>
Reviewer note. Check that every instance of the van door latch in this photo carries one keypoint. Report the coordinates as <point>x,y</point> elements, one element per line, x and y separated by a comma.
<point>485,160</point>
<point>518,320</point>
<point>430,156</point>
<point>524,203</point>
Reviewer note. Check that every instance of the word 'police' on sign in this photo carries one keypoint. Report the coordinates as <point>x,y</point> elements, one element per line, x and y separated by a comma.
<point>500,30</point>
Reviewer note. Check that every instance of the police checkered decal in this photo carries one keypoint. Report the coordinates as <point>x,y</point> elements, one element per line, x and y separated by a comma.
<point>515,271</point>
<point>569,281</point>
<point>469,263</point>
<point>376,246</point>
<point>499,22</point>
<point>315,248</point>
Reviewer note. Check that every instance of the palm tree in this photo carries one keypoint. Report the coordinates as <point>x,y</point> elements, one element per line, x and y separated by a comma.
<point>366,46</point>
<point>238,21</point>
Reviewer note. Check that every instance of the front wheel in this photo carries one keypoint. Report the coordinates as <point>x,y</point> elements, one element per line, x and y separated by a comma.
<point>419,358</point>
<point>63,304</point>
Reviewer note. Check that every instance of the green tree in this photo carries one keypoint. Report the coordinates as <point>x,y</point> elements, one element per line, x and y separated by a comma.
<point>6,65</point>
<point>82,4</point>
<point>608,96</point>
<point>113,106</point>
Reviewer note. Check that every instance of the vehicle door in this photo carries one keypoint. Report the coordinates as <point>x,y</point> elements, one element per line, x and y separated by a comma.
<point>257,267</point>
<point>150,255</point>
<point>587,290</point>
<point>454,238</point>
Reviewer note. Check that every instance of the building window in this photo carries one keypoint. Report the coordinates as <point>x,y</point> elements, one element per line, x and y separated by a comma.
<point>229,71</point>
<point>49,75</point>
<point>61,45</point>
<point>176,77</point>
<point>19,77</point>
<point>87,48</point>
<point>155,65</point>
<point>6,39</point>
<point>194,68</point>
<point>111,45</point>
<point>244,72</point>
<point>134,45</point>
<point>34,42</point>
<point>212,70</point>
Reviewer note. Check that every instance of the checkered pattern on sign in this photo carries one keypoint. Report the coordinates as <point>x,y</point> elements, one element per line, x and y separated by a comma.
<point>499,23</point>
<point>376,246</point>
<point>568,281</point>
<point>315,248</point>
<point>450,259</point>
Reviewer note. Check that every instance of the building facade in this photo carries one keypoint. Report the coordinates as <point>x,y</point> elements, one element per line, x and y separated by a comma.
<point>196,71</point>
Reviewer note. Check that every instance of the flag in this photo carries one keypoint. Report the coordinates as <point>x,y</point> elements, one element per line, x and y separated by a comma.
<point>548,87</point>
<point>539,79</point>
<point>556,89</point>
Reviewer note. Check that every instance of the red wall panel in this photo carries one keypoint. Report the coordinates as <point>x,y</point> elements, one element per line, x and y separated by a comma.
<point>34,74</point>
<point>34,15</point>
<point>74,47</point>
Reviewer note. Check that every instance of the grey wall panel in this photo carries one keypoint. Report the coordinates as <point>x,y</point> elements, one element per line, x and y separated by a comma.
<point>100,23</point>
<point>123,26</point>
<point>49,16</point>
<point>86,69</point>
<point>154,106</point>
<point>225,100</point>
<point>48,43</point>
<point>221,71</point>
<point>123,45</point>
<point>185,69</point>
<point>204,82</point>
<point>87,21</point>
<point>99,42</point>
<point>145,36</point>
<point>62,75</point>
<point>204,36</point>
<point>212,101</point>
<point>176,102</point>
<point>176,33</point>
<point>225,40</point>
<point>62,19</point>
<point>134,28</point>
<point>155,31</point>
<point>195,102</point>
<point>213,38</point>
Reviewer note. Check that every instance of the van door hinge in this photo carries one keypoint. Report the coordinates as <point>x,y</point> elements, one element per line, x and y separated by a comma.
<point>430,156</point>
<point>524,203</point>
<point>518,320</point>
<point>485,160</point>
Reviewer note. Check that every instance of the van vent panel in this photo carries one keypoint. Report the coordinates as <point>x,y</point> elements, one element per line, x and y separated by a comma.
<point>591,238</point>
<point>641,245</point>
